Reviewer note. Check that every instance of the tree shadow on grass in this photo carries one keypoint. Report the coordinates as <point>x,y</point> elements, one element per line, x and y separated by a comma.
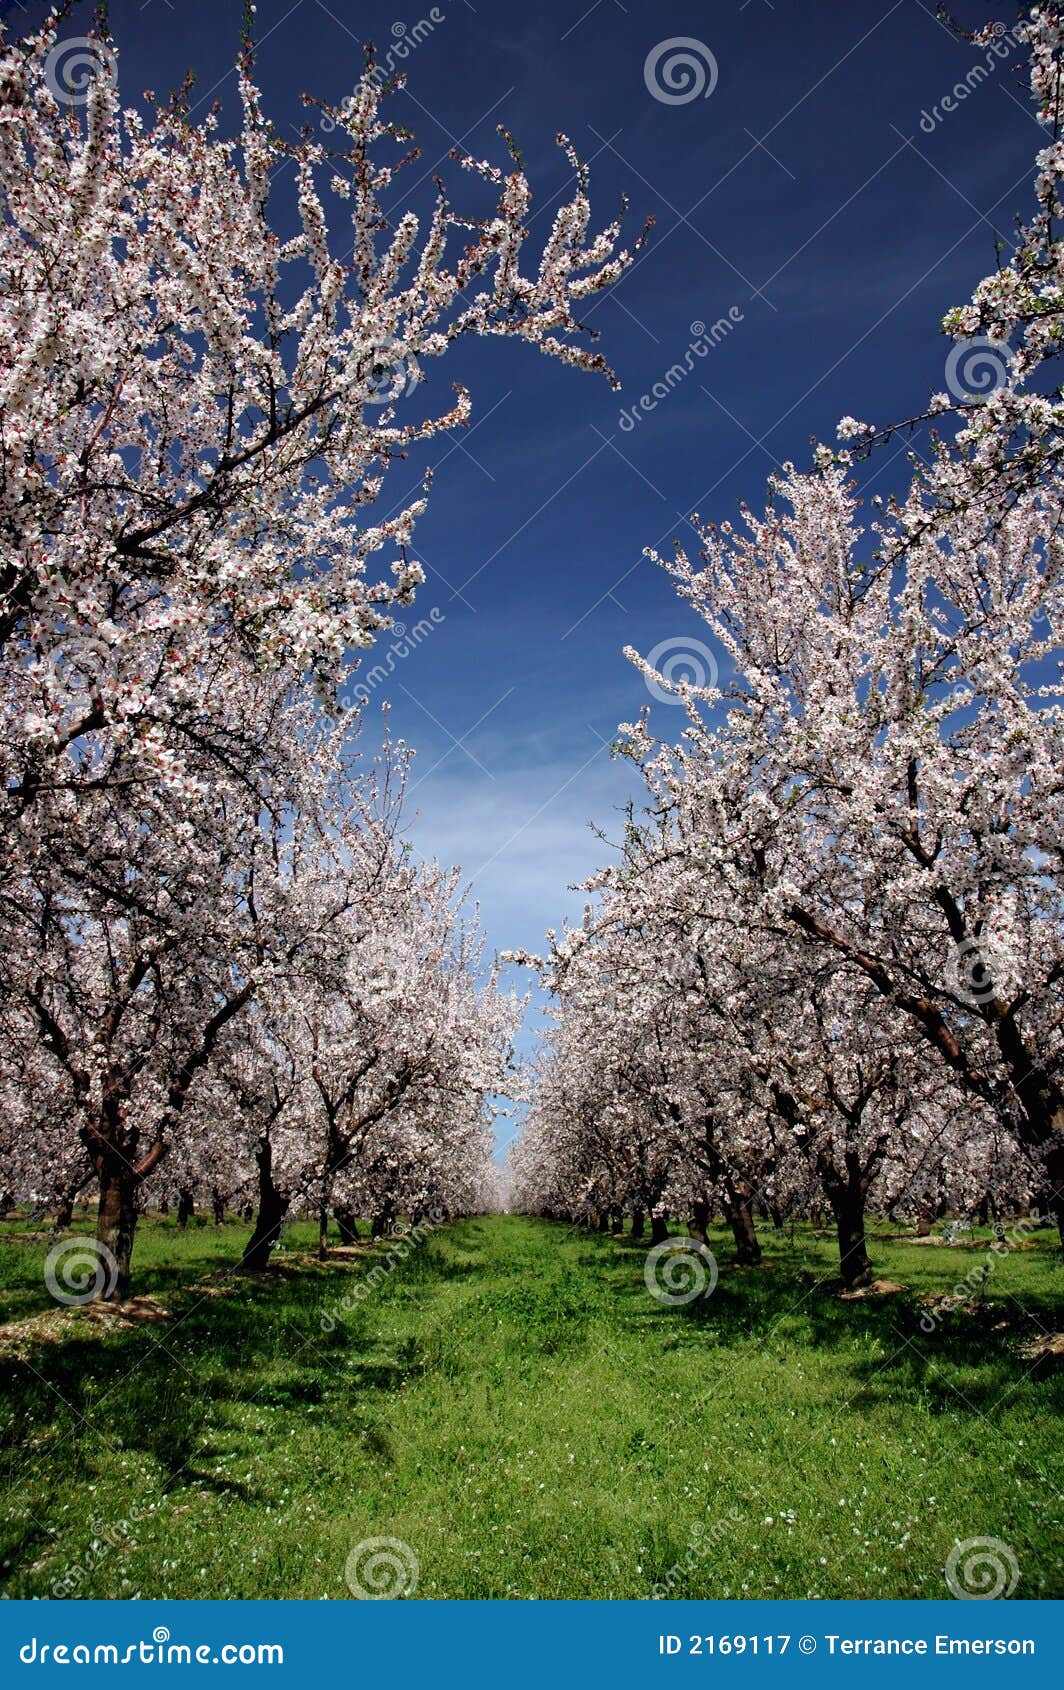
<point>161,1391</point>
<point>969,1363</point>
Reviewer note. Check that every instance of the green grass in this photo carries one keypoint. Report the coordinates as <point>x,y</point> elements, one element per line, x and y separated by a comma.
<point>512,1404</point>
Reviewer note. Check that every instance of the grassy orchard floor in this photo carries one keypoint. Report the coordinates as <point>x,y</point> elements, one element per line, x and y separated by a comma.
<point>513,1404</point>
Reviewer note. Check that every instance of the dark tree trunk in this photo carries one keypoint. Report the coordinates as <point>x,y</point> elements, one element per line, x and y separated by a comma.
<point>116,1223</point>
<point>848,1207</point>
<point>347,1223</point>
<point>273,1207</point>
<point>638,1223</point>
<point>336,1151</point>
<point>659,1229</point>
<point>1054,1207</point>
<point>737,1198</point>
<point>604,1220</point>
<point>740,1217</point>
<point>383,1222</point>
<point>66,1198</point>
<point>217,1205</point>
<point>847,1189</point>
<point>617,1220</point>
<point>699,1220</point>
<point>186,1206</point>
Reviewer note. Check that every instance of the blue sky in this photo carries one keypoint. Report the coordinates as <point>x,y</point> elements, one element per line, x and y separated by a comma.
<point>803,194</point>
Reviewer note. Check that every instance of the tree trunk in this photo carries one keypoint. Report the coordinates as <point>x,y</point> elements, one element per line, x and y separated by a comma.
<point>699,1220</point>
<point>273,1208</point>
<point>66,1198</point>
<point>638,1223</point>
<point>116,1223</point>
<point>659,1229</point>
<point>1054,1206</point>
<point>383,1221</point>
<point>186,1206</point>
<point>846,1189</point>
<point>347,1223</point>
<point>604,1220</point>
<point>848,1207</point>
<point>740,1217</point>
<point>217,1205</point>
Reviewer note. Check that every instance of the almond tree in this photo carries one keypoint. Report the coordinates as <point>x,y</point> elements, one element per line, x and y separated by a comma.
<point>363,1073</point>
<point>885,768</point>
<point>192,433</point>
<point>847,907</point>
<point>192,441</point>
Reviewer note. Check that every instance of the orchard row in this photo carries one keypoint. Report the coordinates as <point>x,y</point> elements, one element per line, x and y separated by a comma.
<point>220,963</point>
<point>825,969</point>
